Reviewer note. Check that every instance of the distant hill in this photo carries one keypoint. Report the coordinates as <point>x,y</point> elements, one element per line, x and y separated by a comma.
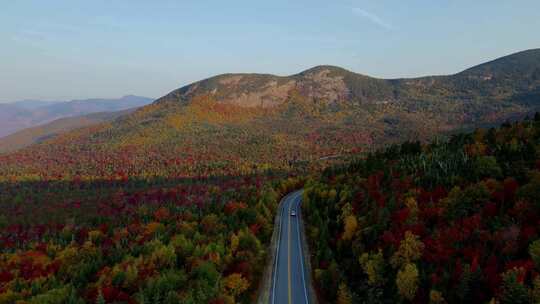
<point>80,107</point>
<point>24,114</point>
<point>27,137</point>
<point>242,122</point>
<point>30,104</point>
<point>13,118</point>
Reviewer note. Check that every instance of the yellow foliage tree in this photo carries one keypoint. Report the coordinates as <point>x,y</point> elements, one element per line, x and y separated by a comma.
<point>235,241</point>
<point>154,227</point>
<point>435,297</point>
<point>235,284</point>
<point>410,250</point>
<point>407,281</point>
<point>373,266</point>
<point>351,224</point>
<point>412,205</point>
<point>163,257</point>
<point>344,295</point>
<point>95,236</point>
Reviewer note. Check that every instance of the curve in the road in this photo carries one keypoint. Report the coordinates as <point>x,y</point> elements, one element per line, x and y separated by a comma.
<point>289,275</point>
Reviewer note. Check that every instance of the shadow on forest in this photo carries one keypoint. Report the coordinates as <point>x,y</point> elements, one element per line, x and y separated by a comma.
<point>56,201</point>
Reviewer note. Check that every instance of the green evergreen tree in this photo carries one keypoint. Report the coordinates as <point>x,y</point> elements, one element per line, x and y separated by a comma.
<point>513,291</point>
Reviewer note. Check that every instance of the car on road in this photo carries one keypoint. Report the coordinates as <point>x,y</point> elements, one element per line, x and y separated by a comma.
<point>293,213</point>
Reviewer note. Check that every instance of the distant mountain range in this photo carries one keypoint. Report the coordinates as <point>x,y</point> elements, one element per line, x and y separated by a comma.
<point>29,113</point>
<point>37,134</point>
<point>239,121</point>
<point>30,104</point>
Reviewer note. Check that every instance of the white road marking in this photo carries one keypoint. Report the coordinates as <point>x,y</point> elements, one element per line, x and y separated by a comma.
<point>287,200</point>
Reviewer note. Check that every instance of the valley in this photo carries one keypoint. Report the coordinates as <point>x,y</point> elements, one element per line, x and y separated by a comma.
<point>414,190</point>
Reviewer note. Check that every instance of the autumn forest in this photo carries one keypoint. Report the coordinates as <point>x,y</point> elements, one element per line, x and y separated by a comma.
<point>423,190</point>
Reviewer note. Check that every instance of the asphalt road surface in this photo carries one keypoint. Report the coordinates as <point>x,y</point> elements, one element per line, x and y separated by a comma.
<point>289,283</point>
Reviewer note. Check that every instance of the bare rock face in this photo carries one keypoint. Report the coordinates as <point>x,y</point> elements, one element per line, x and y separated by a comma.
<point>323,85</point>
<point>261,90</point>
<point>270,94</point>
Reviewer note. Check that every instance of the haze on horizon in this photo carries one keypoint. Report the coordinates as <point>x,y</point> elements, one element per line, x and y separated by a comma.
<point>58,50</point>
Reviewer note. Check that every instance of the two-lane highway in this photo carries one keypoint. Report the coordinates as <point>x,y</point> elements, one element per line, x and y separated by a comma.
<point>289,283</point>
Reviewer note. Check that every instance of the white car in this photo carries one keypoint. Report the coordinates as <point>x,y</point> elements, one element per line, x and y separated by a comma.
<point>293,213</point>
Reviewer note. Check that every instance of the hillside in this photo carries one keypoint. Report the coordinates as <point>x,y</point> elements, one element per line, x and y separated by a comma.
<point>25,114</point>
<point>445,222</point>
<point>249,122</point>
<point>40,133</point>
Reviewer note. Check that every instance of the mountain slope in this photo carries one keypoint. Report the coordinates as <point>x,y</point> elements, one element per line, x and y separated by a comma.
<point>20,115</point>
<point>448,222</point>
<point>243,122</point>
<point>40,133</point>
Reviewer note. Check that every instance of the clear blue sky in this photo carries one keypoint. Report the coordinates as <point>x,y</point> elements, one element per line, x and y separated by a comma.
<point>105,48</point>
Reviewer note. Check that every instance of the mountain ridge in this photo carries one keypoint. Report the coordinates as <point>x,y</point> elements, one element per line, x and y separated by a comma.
<point>239,123</point>
<point>254,89</point>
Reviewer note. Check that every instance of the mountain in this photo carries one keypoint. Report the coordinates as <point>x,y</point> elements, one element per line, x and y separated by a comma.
<point>327,84</point>
<point>235,123</point>
<point>80,107</point>
<point>29,136</point>
<point>24,114</point>
<point>510,77</point>
<point>30,104</point>
<point>13,118</point>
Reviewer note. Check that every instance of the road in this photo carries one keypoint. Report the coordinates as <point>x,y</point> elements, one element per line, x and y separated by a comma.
<point>289,284</point>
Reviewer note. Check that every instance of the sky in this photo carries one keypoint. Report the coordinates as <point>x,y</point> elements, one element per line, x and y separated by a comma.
<point>65,49</point>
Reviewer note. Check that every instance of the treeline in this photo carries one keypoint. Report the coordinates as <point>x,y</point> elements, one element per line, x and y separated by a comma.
<point>447,222</point>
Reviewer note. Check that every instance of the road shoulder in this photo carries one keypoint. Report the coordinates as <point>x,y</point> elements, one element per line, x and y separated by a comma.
<point>266,281</point>
<point>307,259</point>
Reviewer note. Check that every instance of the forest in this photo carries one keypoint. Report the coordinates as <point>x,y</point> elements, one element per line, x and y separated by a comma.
<point>287,152</point>
<point>452,221</point>
<point>174,203</point>
<point>136,241</point>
